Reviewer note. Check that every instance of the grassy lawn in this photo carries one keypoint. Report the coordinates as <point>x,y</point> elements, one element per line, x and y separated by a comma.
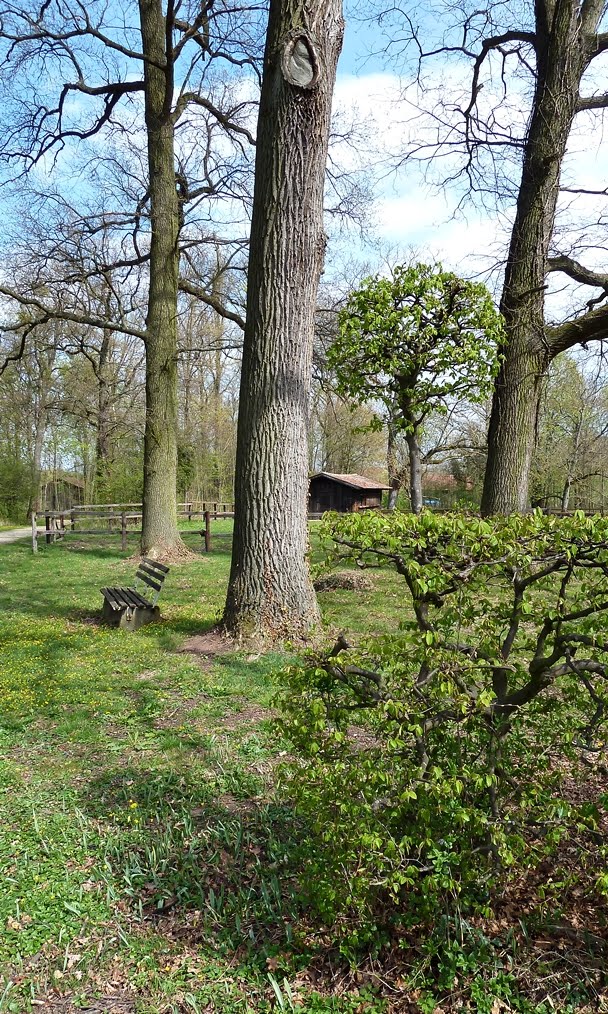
<point>147,865</point>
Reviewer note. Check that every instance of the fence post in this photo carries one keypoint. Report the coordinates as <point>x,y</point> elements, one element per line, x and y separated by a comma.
<point>47,529</point>
<point>189,508</point>
<point>34,533</point>
<point>123,530</point>
<point>207,531</point>
<point>62,525</point>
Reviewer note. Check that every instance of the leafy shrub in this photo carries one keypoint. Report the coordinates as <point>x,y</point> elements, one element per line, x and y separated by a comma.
<point>15,487</point>
<point>428,762</point>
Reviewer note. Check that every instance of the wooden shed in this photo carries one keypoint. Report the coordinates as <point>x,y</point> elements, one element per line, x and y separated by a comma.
<point>60,491</point>
<point>344,493</point>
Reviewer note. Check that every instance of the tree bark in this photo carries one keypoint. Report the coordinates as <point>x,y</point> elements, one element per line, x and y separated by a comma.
<point>159,524</point>
<point>270,591</point>
<point>35,503</point>
<point>102,435</point>
<point>415,472</point>
<point>394,472</point>
<point>572,463</point>
<point>44,363</point>
<point>562,53</point>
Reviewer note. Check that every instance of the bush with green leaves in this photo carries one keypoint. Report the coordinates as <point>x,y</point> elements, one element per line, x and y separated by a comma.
<point>428,762</point>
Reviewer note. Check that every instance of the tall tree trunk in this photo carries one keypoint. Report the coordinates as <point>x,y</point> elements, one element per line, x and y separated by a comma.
<point>572,463</point>
<point>394,472</point>
<point>218,376</point>
<point>413,446</point>
<point>44,362</point>
<point>270,591</point>
<point>159,526</point>
<point>35,503</point>
<point>561,60</point>
<point>512,432</point>
<point>102,434</point>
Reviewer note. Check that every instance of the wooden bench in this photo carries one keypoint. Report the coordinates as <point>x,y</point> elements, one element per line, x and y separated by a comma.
<point>127,607</point>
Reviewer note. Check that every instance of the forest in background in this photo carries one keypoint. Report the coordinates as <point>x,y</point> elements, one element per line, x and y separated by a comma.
<point>76,277</point>
<point>72,426</point>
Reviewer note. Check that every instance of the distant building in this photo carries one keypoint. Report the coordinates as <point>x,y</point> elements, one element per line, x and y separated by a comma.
<point>344,493</point>
<point>60,491</point>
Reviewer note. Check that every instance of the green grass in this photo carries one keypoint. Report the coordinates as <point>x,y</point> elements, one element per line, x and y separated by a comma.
<point>142,852</point>
<point>145,857</point>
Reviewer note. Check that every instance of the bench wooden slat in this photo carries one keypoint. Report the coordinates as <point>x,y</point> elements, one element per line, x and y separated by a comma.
<point>151,584</point>
<point>154,563</point>
<point>134,598</point>
<point>110,595</point>
<point>122,598</point>
<point>154,580</point>
<point>145,569</point>
<point>148,581</point>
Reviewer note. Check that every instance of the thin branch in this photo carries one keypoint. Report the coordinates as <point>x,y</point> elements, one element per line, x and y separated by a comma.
<point>54,313</point>
<point>212,301</point>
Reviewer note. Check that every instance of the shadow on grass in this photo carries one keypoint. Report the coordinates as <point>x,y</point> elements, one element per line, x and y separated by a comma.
<point>96,551</point>
<point>221,545</point>
<point>189,626</point>
<point>220,866</point>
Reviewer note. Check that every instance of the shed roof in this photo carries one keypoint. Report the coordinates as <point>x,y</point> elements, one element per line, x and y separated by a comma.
<point>70,480</point>
<point>351,479</point>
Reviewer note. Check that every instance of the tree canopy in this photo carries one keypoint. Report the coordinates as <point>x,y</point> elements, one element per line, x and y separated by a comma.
<point>414,343</point>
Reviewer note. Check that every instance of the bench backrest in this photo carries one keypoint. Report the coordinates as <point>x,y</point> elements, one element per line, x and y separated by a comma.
<point>152,574</point>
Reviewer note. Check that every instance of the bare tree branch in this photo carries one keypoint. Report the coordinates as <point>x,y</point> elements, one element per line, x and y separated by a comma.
<point>212,301</point>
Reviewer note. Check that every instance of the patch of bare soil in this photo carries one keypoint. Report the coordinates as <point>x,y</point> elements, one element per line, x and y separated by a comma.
<point>208,646</point>
<point>250,715</point>
<point>238,806</point>
<point>176,554</point>
<point>181,715</point>
<point>362,739</point>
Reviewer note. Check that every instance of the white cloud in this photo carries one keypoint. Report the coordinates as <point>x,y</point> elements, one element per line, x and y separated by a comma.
<point>411,213</point>
<point>408,212</point>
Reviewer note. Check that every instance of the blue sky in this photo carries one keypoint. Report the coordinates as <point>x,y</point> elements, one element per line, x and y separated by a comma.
<point>410,215</point>
<point>414,214</point>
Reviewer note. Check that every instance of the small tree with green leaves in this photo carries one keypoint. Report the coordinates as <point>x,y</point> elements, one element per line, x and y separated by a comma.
<point>416,343</point>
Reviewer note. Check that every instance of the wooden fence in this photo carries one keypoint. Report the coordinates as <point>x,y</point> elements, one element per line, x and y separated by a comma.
<point>120,519</point>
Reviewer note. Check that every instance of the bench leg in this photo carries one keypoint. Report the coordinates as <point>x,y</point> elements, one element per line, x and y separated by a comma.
<point>110,616</point>
<point>133,619</point>
<point>129,618</point>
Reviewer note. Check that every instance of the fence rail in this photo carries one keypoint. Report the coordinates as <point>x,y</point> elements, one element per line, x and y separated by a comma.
<point>188,508</point>
<point>119,519</point>
<point>58,524</point>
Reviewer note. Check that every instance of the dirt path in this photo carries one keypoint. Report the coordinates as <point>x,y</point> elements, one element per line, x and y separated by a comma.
<point>14,534</point>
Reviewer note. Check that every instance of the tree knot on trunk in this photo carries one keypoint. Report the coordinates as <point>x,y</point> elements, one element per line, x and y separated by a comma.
<point>299,60</point>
